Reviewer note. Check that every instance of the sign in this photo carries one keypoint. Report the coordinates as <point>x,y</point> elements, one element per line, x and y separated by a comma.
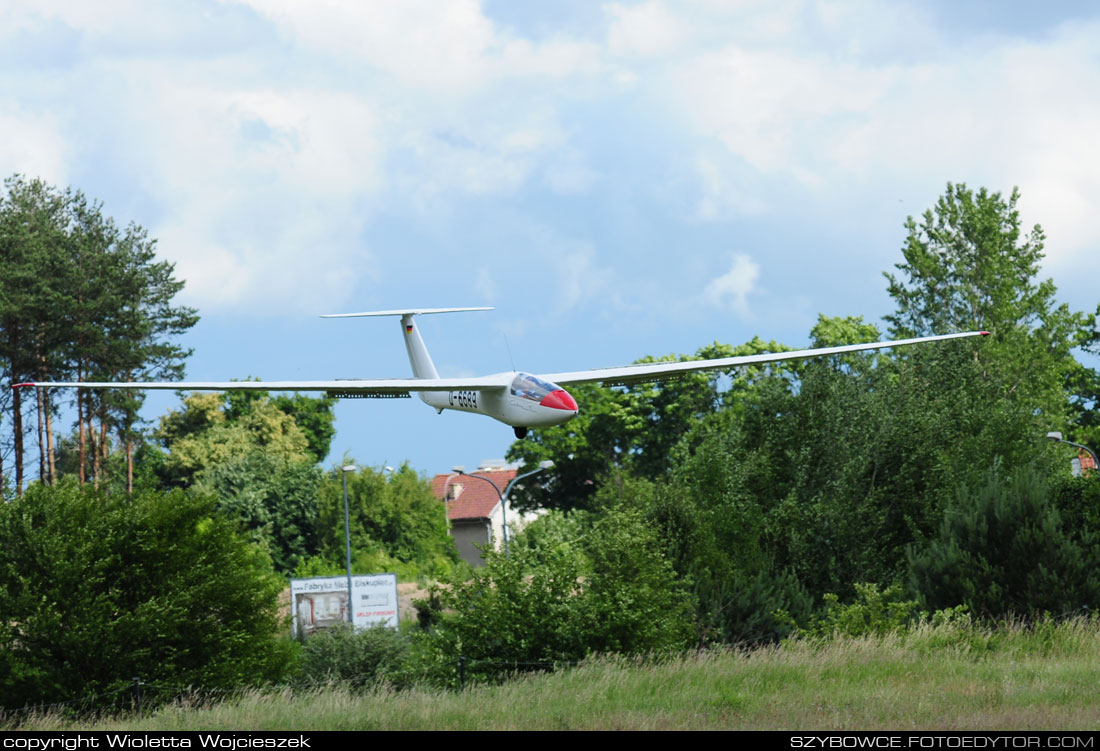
<point>322,602</point>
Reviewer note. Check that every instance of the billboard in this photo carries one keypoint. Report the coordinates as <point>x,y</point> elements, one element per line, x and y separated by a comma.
<point>321,602</point>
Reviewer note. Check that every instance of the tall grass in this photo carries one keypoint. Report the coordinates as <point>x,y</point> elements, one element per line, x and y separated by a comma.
<point>954,676</point>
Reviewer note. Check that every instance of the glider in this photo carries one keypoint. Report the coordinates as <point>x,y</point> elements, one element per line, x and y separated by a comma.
<point>521,400</point>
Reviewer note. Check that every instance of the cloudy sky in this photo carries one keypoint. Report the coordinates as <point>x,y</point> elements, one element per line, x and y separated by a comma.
<point>618,179</point>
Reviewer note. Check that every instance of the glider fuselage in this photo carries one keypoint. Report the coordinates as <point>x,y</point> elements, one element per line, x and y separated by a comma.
<point>527,401</point>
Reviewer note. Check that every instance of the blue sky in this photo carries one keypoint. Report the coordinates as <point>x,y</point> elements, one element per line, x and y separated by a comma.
<point>618,179</point>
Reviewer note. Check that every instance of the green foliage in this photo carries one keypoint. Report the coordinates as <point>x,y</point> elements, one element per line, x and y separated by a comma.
<point>552,530</point>
<point>873,613</point>
<point>832,477</point>
<point>244,449</point>
<point>394,519</point>
<point>83,299</point>
<point>632,429</point>
<point>218,428</point>
<point>584,450</point>
<point>713,529</point>
<point>1083,387</point>
<point>968,267</point>
<point>618,595</point>
<point>100,588</point>
<point>315,418</point>
<point>362,657</point>
<point>1003,549</point>
<point>274,499</point>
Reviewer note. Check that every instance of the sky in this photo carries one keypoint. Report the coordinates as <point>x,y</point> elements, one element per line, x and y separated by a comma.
<point>617,179</point>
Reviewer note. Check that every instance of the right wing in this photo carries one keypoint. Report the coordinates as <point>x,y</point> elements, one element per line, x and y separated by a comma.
<point>657,371</point>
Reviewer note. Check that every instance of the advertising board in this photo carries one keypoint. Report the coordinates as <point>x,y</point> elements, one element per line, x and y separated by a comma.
<point>322,602</point>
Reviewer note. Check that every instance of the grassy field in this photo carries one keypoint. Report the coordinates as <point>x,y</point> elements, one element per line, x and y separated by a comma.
<point>947,677</point>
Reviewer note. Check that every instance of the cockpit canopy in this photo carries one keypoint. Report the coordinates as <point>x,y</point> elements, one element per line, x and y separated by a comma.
<point>527,386</point>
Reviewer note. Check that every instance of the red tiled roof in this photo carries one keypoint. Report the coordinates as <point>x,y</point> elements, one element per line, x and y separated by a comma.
<point>1087,462</point>
<point>470,498</point>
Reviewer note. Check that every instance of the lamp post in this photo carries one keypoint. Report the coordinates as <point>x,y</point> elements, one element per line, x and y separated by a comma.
<point>457,470</point>
<point>1056,436</point>
<point>347,539</point>
<point>545,464</point>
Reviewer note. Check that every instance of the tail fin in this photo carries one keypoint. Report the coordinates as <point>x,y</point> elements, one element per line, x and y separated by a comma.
<point>419,358</point>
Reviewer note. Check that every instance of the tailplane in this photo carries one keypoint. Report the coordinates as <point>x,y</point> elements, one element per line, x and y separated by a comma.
<point>419,358</point>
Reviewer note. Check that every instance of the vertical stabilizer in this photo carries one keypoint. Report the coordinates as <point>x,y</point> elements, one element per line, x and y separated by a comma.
<point>421,361</point>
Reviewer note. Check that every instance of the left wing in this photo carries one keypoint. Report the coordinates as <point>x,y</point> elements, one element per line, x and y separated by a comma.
<point>381,387</point>
<point>661,370</point>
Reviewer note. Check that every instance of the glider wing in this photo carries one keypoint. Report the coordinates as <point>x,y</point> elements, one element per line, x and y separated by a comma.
<point>660,371</point>
<point>350,387</point>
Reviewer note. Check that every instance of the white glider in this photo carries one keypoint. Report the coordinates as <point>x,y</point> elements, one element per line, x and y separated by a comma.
<point>519,399</point>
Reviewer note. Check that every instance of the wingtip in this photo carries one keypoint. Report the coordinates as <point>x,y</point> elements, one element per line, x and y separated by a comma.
<point>984,333</point>
<point>22,385</point>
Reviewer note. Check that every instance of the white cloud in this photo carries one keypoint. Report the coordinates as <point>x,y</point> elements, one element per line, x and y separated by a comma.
<point>731,290</point>
<point>647,29</point>
<point>450,48</point>
<point>32,144</point>
<point>267,150</point>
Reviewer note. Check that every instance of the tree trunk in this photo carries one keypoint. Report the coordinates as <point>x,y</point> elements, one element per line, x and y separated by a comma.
<point>129,465</point>
<point>80,421</point>
<point>17,426</point>
<point>41,438</point>
<point>51,452</point>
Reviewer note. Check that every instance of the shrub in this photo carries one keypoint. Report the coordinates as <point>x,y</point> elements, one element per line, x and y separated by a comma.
<point>98,589</point>
<point>356,657</point>
<point>539,607</point>
<point>873,613</point>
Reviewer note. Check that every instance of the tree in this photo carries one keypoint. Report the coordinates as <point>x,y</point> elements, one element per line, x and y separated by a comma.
<point>81,299</point>
<point>396,516</point>
<point>1083,385</point>
<point>214,429</point>
<point>632,428</point>
<point>314,416</point>
<point>273,499</point>
<point>253,457</point>
<point>1003,549</point>
<point>32,219</point>
<point>100,588</point>
<point>968,267</point>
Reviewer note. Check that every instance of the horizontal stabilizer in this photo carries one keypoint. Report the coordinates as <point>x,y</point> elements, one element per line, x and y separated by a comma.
<point>404,312</point>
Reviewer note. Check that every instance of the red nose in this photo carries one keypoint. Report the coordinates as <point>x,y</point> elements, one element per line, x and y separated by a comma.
<point>559,399</point>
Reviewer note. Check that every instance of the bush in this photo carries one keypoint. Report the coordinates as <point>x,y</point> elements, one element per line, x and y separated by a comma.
<point>539,607</point>
<point>873,613</point>
<point>356,657</point>
<point>1003,549</point>
<point>98,589</point>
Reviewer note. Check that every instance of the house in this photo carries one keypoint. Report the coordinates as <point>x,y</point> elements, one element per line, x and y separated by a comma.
<point>474,512</point>
<point>1083,463</point>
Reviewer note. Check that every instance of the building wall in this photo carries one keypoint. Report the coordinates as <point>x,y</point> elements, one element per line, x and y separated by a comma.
<point>467,534</point>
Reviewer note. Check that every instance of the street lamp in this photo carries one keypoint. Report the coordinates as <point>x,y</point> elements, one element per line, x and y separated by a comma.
<point>1055,435</point>
<point>545,464</point>
<point>455,472</point>
<point>347,537</point>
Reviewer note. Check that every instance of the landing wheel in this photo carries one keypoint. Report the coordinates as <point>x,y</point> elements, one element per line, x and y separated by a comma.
<point>521,433</point>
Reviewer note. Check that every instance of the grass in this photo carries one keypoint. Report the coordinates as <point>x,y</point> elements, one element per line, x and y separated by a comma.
<point>948,677</point>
